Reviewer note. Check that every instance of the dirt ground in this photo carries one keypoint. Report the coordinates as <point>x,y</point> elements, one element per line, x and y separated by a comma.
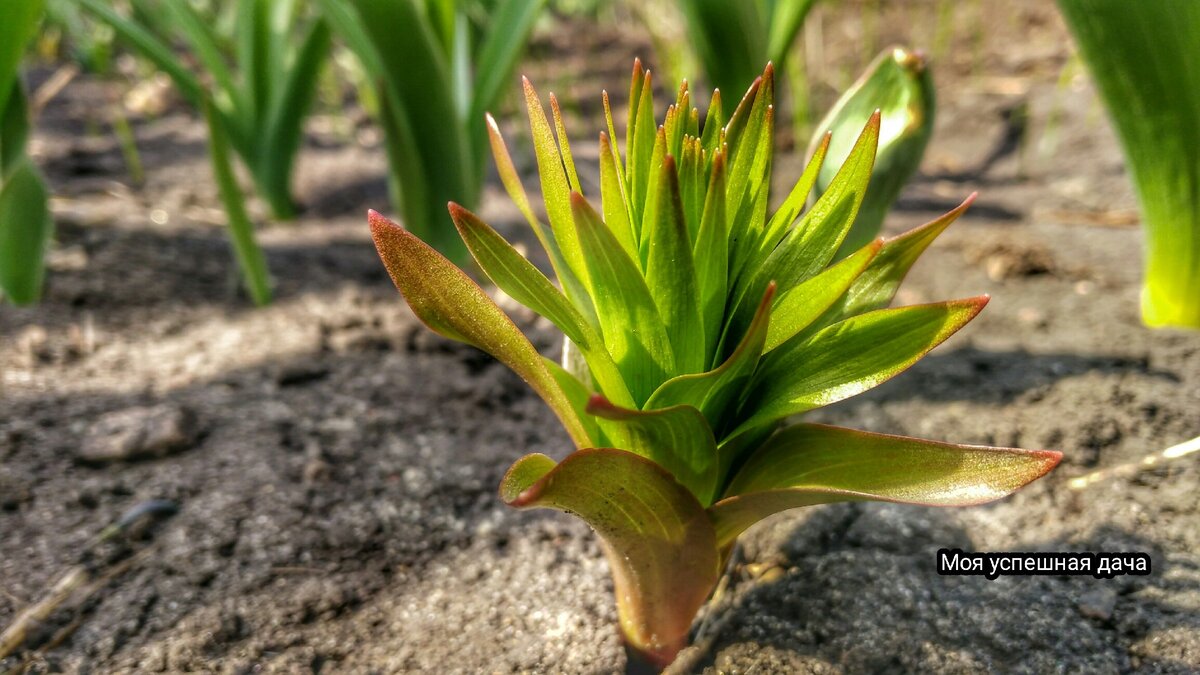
<point>335,464</point>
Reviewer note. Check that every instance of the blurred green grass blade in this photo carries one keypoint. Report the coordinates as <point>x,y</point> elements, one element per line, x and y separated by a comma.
<point>1143,57</point>
<point>152,48</point>
<point>631,325</point>
<point>658,539</point>
<point>447,301</point>
<point>14,129</point>
<point>250,259</point>
<point>801,305</point>
<point>284,124</point>
<point>849,357</point>
<point>677,438</point>
<point>515,275</point>
<point>786,19</point>
<point>671,273</point>
<point>25,229</point>
<point>422,108</point>
<point>810,464</point>
<point>730,38</point>
<point>899,85</point>
<point>201,39</point>
<point>498,55</point>
<point>20,24</point>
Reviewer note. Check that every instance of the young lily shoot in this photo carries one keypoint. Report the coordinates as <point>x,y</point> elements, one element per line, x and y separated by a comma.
<point>697,323</point>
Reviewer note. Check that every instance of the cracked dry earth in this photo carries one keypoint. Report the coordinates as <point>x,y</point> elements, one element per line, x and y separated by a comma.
<point>335,464</point>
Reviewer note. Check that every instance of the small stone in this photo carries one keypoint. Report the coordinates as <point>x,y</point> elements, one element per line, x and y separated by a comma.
<point>1098,604</point>
<point>140,432</point>
<point>316,471</point>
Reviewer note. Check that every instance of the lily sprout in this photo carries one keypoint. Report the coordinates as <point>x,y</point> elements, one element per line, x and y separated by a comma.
<point>697,323</point>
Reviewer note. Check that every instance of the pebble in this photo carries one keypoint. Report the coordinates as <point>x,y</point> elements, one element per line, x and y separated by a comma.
<point>140,432</point>
<point>1098,604</point>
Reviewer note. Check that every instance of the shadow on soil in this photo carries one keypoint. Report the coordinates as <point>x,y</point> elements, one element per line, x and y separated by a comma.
<point>861,593</point>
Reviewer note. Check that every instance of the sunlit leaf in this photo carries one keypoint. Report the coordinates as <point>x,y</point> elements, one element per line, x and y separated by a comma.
<point>811,464</point>
<point>446,300</point>
<point>660,542</point>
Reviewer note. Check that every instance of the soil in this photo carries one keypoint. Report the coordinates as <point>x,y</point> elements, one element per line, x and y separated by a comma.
<point>335,464</point>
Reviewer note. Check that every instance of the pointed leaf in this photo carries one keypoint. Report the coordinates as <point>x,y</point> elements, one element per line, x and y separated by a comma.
<point>850,357</point>
<point>516,276</point>
<point>613,198</point>
<point>811,464</point>
<point>677,438</point>
<point>630,323</point>
<point>671,274</point>
<point>792,207</point>
<point>25,228</point>
<point>713,392</point>
<point>802,305</point>
<point>556,188</point>
<point>447,301</point>
<point>712,258</point>
<point>877,285</point>
<point>659,541</point>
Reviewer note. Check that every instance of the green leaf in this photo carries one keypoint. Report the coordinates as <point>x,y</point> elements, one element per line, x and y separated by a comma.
<point>630,323</point>
<point>715,391</point>
<point>1142,58</point>
<point>447,301</point>
<point>20,25</point>
<point>802,305</point>
<point>791,208</point>
<point>516,276</point>
<point>712,258</point>
<point>615,203</point>
<point>251,262</point>
<point>283,126</point>
<point>899,86</point>
<point>639,155</point>
<point>659,541</point>
<point>785,23</point>
<point>877,285</point>
<point>671,274</point>
<point>25,228</point>
<point>810,464</point>
<point>810,245</point>
<point>556,188</point>
<point>502,46</point>
<point>152,48</point>
<point>849,358</point>
<point>578,394</point>
<point>677,438</point>
<point>730,39</point>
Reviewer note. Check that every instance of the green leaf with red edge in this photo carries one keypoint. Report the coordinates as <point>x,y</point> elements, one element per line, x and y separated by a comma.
<point>714,392</point>
<point>803,304</point>
<point>677,438</point>
<point>447,301</point>
<point>877,285</point>
<point>630,323</point>
<point>793,206</point>
<point>849,358</point>
<point>556,187</point>
<point>811,464</point>
<point>671,272</point>
<point>516,276</point>
<point>659,541</point>
<point>809,246</point>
